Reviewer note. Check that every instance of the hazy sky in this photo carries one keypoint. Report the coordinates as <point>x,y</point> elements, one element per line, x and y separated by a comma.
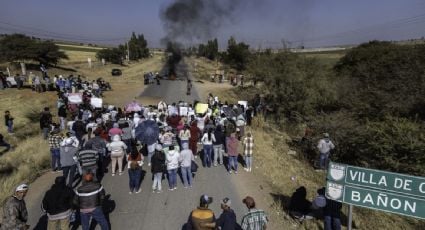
<point>259,22</point>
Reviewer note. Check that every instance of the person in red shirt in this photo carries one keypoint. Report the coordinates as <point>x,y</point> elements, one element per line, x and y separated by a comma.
<point>195,133</point>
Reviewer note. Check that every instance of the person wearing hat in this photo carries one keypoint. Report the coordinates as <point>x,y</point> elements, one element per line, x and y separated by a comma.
<point>57,203</point>
<point>201,215</point>
<point>55,140</point>
<point>89,198</point>
<point>255,219</point>
<point>157,168</point>
<point>325,146</point>
<point>227,219</point>
<point>67,159</point>
<point>15,214</point>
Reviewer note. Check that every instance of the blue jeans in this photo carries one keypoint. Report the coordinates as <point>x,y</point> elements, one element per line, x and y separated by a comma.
<point>10,126</point>
<point>233,161</point>
<point>157,181</point>
<point>207,155</point>
<point>187,176</point>
<point>134,175</point>
<point>69,171</point>
<point>324,158</point>
<point>98,215</point>
<point>172,178</point>
<point>46,133</point>
<point>332,223</point>
<point>248,161</point>
<point>56,158</point>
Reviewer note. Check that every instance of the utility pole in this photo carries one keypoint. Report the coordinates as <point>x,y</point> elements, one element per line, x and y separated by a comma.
<point>128,51</point>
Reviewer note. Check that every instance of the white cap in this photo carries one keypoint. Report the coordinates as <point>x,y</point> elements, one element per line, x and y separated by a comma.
<point>21,187</point>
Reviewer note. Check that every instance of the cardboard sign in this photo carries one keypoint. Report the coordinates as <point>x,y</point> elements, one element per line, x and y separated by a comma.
<point>75,98</point>
<point>244,103</point>
<point>201,108</point>
<point>96,102</point>
<point>183,111</point>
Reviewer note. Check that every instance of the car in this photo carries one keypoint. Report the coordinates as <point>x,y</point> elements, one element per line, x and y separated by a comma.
<point>116,72</point>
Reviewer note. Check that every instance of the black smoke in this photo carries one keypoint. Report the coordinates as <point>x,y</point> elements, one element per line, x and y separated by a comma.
<point>189,21</point>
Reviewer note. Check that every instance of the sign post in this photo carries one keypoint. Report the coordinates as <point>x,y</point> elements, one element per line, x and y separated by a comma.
<point>350,217</point>
<point>375,189</point>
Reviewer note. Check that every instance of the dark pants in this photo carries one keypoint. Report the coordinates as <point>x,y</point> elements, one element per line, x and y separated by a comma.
<point>56,158</point>
<point>332,223</point>
<point>129,145</point>
<point>69,171</point>
<point>96,214</point>
<point>135,175</point>
<point>5,144</point>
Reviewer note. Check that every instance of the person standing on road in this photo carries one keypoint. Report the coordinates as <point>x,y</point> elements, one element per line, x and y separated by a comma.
<point>201,215</point>
<point>15,213</point>
<point>227,219</point>
<point>158,168</point>
<point>55,140</point>
<point>8,120</point>
<point>255,219</point>
<point>68,160</point>
<point>89,198</point>
<point>207,142</point>
<point>232,150</point>
<point>186,158</point>
<point>248,144</point>
<point>218,145</point>
<point>195,133</point>
<point>57,203</point>
<point>87,160</point>
<point>184,135</point>
<point>45,122</point>
<point>134,165</point>
<point>117,149</point>
<point>325,146</point>
<point>172,159</point>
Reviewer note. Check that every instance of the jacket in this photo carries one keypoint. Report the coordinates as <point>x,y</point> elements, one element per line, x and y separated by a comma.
<point>116,147</point>
<point>89,195</point>
<point>232,146</point>
<point>97,143</point>
<point>158,162</point>
<point>45,119</point>
<point>58,199</point>
<point>67,154</point>
<point>198,216</point>
<point>219,137</point>
<point>15,214</point>
<point>186,158</point>
<point>88,158</point>
<point>172,159</point>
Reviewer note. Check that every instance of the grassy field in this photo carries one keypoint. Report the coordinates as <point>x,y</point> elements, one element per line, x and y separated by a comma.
<point>284,170</point>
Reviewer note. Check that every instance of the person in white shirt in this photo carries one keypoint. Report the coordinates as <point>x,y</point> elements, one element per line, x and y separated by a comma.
<point>172,161</point>
<point>207,142</point>
<point>184,135</point>
<point>325,146</point>
<point>186,158</point>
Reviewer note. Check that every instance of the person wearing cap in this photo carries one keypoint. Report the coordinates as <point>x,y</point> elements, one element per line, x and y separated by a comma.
<point>157,168</point>
<point>55,140</point>
<point>325,146</point>
<point>89,198</point>
<point>227,219</point>
<point>67,159</point>
<point>201,215</point>
<point>57,203</point>
<point>15,214</point>
<point>255,219</point>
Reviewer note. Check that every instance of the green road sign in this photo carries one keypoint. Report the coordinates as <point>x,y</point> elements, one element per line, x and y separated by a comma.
<point>376,179</point>
<point>379,200</point>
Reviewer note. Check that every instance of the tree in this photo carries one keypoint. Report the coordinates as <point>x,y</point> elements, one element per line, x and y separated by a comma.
<point>138,47</point>
<point>114,55</point>
<point>210,50</point>
<point>237,55</point>
<point>48,53</point>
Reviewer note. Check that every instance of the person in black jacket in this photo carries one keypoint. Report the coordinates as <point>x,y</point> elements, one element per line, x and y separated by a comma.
<point>62,113</point>
<point>157,168</point>
<point>79,129</point>
<point>218,144</point>
<point>89,198</point>
<point>46,122</point>
<point>57,203</point>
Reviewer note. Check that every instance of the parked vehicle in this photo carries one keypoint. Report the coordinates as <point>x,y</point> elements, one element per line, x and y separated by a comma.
<point>116,72</point>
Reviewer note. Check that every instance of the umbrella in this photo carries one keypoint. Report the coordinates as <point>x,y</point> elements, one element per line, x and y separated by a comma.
<point>229,112</point>
<point>147,132</point>
<point>133,107</point>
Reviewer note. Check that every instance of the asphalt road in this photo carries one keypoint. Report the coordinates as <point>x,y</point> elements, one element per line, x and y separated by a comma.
<point>168,210</point>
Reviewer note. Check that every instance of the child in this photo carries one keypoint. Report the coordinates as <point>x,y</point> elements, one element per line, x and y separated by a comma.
<point>135,162</point>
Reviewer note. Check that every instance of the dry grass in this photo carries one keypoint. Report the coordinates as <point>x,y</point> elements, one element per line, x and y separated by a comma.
<point>31,154</point>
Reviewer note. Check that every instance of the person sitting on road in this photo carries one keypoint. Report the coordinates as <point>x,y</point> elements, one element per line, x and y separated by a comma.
<point>201,215</point>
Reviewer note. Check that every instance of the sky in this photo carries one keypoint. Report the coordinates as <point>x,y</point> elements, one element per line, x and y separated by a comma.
<point>261,23</point>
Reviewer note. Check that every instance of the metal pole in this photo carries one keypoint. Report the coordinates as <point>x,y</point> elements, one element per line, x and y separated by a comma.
<point>128,52</point>
<point>350,217</point>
